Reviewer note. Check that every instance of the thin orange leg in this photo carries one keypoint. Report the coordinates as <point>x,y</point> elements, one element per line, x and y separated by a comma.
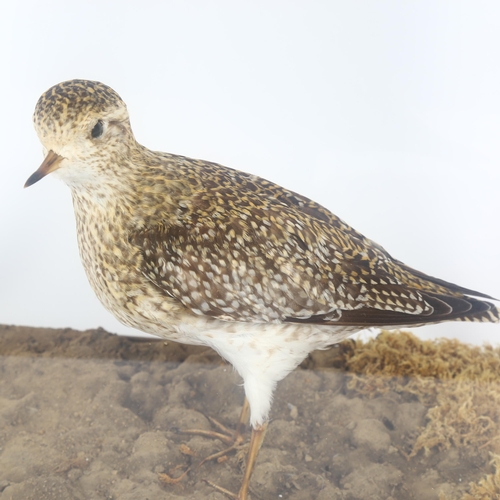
<point>256,441</point>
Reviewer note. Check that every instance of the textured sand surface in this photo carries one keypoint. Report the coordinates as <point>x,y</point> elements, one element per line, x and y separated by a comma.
<point>89,415</point>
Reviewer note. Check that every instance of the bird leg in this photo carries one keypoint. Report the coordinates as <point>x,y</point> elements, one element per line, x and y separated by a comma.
<point>231,438</point>
<point>258,434</point>
<point>256,441</point>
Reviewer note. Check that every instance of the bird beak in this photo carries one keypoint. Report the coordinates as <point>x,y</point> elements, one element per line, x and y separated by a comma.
<point>52,162</point>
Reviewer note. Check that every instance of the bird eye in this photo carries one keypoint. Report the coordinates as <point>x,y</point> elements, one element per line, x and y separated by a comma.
<point>97,130</point>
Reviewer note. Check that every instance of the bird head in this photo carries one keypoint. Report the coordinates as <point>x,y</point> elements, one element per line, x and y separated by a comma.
<point>84,128</point>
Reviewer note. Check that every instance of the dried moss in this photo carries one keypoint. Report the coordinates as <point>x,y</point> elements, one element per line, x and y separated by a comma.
<point>487,488</point>
<point>460,384</point>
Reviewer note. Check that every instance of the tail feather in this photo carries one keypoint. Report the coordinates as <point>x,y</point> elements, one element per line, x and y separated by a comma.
<point>450,287</point>
<point>443,308</point>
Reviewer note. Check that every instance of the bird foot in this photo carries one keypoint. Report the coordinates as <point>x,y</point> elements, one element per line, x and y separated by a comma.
<point>222,490</point>
<point>258,433</point>
<point>234,439</point>
<point>167,479</point>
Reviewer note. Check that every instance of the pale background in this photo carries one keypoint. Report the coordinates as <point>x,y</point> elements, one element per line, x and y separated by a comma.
<point>386,112</point>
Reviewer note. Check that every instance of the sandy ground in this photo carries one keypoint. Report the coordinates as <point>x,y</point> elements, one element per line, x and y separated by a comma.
<point>89,415</point>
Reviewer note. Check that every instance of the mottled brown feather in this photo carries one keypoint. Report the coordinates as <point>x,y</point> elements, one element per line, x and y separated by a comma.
<point>246,249</point>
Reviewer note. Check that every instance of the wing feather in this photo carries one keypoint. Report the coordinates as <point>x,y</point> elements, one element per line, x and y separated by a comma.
<point>245,249</point>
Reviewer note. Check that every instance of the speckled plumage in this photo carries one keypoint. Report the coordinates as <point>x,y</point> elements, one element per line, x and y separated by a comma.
<point>200,253</point>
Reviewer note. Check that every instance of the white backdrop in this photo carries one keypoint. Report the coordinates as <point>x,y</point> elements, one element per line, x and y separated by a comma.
<point>387,113</point>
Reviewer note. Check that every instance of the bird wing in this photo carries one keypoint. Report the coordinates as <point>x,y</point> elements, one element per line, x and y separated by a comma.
<point>248,250</point>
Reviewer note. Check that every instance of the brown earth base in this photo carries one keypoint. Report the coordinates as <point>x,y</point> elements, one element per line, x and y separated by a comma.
<point>90,415</point>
